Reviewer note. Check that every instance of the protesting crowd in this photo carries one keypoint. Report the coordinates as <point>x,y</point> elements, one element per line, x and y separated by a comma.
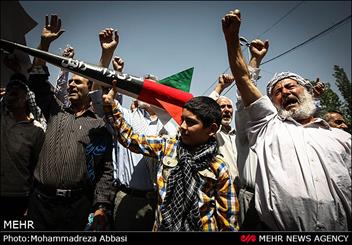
<point>73,158</point>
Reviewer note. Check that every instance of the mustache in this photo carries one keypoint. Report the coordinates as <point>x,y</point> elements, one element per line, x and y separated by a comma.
<point>72,91</point>
<point>290,99</point>
<point>227,115</point>
<point>305,109</point>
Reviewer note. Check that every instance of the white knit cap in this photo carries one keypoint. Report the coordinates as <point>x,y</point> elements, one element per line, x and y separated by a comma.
<point>283,75</point>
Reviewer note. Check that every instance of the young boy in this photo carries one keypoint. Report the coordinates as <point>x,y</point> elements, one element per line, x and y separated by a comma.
<point>195,190</point>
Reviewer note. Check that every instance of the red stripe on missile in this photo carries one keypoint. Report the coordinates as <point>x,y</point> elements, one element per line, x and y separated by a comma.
<point>174,110</point>
<point>170,99</point>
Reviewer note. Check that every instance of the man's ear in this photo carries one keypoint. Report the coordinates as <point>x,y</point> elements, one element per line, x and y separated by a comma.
<point>213,129</point>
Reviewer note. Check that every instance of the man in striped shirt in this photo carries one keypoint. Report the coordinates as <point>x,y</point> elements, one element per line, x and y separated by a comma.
<point>195,189</point>
<point>73,176</point>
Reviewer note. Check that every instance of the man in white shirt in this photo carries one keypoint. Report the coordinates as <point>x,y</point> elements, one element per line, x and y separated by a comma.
<point>226,136</point>
<point>233,143</point>
<point>304,165</point>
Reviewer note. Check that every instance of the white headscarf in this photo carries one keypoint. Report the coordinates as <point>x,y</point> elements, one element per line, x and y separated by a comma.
<point>283,75</point>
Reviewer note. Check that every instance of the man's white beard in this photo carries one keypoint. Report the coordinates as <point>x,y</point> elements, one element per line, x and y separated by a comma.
<point>226,121</point>
<point>305,109</point>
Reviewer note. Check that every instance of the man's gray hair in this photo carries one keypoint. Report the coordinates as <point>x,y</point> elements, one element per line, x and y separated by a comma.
<point>151,76</point>
<point>224,97</point>
<point>283,75</point>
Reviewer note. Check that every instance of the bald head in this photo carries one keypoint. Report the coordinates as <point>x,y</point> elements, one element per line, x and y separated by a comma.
<point>335,120</point>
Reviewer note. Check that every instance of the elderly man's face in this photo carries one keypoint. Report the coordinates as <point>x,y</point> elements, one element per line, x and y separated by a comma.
<point>226,111</point>
<point>293,100</point>
<point>286,93</point>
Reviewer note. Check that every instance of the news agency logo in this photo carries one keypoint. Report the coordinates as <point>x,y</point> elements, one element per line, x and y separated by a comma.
<point>248,238</point>
<point>18,225</point>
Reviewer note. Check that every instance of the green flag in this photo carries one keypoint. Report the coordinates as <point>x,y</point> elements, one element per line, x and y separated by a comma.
<point>181,80</point>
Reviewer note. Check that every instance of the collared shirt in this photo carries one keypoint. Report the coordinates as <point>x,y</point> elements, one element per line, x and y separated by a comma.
<point>246,157</point>
<point>227,145</point>
<point>61,88</point>
<point>20,146</point>
<point>217,198</point>
<point>245,160</point>
<point>77,150</point>
<point>135,170</point>
<point>227,148</point>
<point>304,180</point>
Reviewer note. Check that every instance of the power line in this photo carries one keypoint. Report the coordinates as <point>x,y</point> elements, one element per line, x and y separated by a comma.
<point>309,40</point>
<point>283,17</point>
<point>324,32</point>
<point>216,80</point>
<point>211,85</point>
<point>272,26</point>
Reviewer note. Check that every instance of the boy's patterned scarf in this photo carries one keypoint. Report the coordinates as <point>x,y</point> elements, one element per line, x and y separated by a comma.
<point>180,210</point>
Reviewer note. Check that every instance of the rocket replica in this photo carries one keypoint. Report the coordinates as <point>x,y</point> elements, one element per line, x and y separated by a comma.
<point>170,99</point>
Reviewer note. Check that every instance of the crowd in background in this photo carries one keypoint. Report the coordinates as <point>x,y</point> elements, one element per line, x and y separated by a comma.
<point>74,158</point>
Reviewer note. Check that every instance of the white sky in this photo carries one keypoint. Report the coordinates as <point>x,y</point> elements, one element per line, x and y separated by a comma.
<point>163,38</point>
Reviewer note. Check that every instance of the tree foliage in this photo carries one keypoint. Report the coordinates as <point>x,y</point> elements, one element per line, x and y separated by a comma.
<point>344,86</point>
<point>330,101</point>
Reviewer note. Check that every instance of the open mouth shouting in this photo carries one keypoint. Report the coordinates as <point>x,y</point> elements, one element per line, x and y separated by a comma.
<point>72,92</point>
<point>226,116</point>
<point>289,102</point>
